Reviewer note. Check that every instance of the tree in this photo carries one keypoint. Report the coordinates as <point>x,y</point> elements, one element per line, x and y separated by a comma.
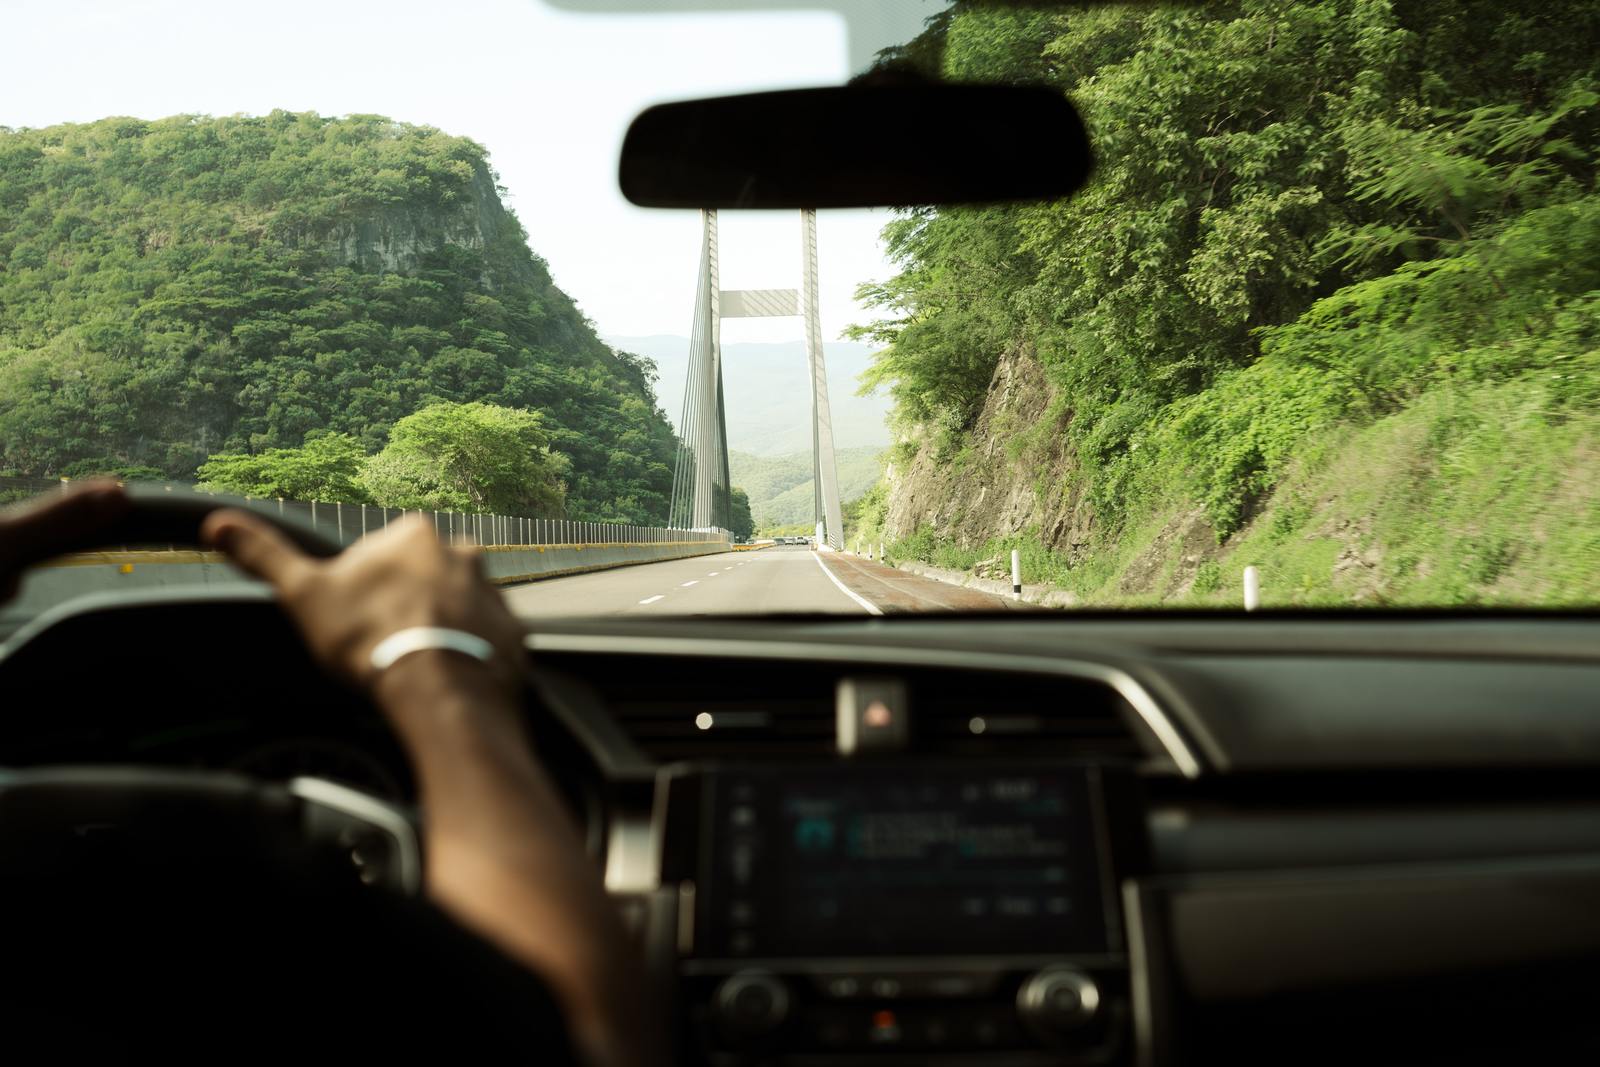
<point>326,468</point>
<point>469,457</point>
<point>110,468</point>
<point>739,517</point>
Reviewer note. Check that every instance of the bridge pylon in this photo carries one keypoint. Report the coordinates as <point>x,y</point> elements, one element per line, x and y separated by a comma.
<point>701,493</point>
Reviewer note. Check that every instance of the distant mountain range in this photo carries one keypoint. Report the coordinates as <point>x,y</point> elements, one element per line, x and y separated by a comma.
<point>780,486</point>
<point>767,390</point>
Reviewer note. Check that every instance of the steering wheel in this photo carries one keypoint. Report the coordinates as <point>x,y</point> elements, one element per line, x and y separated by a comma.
<point>167,910</point>
<point>59,819</point>
<point>161,516</point>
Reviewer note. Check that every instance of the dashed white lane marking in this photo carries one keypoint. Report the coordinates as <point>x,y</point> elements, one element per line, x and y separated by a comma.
<point>652,599</point>
<point>871,608</point>
<point>686,585</point>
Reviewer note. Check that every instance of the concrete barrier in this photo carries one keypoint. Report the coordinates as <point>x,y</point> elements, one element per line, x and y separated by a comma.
<point>98,572</point>
<point>508,564</point>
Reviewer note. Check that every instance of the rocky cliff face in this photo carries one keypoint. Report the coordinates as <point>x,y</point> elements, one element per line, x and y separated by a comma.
<point>998,484</point>
<point>1015,476</point>
<point>396,239</point>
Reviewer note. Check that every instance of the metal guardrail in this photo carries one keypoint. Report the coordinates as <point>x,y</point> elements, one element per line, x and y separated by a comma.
<point>346,523</point>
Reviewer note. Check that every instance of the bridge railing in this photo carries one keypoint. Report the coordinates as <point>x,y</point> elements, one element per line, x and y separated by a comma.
<point>347,523</point>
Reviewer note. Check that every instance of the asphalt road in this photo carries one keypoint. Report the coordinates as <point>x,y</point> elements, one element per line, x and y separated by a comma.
<point>788,578</point>
<point>781,579</point>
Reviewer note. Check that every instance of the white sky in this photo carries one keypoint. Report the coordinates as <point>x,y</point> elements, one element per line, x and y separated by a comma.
<point>548,93</point>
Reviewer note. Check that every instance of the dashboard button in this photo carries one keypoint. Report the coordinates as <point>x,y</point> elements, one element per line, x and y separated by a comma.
<point>959,985</point>
<point>742,861</point>
<point>833,1033</point>
<point>951,985</point>
<point>885,1028</point>
<point>752,1003</point>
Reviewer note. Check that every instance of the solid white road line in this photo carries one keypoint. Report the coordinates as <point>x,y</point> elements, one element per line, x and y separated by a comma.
<point>652,599</point>
<point>686,585</point>
<point>871,608</point>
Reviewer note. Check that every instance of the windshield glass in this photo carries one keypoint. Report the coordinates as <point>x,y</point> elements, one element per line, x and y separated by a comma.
<point>1320,331</point>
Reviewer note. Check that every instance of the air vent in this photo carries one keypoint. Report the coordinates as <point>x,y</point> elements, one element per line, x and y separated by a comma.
<point>1020,716</point>
<point>692,708</point>
<point>668,730</point>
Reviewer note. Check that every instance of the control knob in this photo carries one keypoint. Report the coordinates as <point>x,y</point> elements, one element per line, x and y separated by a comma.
<point>751,1004</point>
<point>1058,1000</point>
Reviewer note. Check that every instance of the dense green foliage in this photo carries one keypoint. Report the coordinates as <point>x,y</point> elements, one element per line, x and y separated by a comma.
<point>175,289</point>
<point>446,457</point>
<point>740,522</point>
<point>1307,218</point>
<point>469,457</point>
<point>863,518</point>
<point>327,467</point>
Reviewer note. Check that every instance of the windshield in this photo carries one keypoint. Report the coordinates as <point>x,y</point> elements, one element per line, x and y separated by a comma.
<point>1320,331</point>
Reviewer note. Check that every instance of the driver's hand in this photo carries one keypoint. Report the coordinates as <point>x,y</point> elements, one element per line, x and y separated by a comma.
<point>52,524</point>
<point>399,577</point>
<point>503,857</point>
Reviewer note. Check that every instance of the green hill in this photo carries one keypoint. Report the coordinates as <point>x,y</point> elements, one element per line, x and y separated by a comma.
<point>188,286</point>
<point>780,486</point>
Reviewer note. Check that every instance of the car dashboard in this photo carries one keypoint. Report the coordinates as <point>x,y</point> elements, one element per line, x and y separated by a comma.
<point>1012,840</point>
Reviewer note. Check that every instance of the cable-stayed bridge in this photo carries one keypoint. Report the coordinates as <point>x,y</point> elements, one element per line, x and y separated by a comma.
<point>701,493</point>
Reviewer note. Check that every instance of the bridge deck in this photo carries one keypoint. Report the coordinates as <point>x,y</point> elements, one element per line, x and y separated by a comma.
<point>785,579</point>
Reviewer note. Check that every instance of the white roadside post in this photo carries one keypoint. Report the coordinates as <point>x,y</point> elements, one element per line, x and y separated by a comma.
<point>1016,574</point>
<point>1252,588</point>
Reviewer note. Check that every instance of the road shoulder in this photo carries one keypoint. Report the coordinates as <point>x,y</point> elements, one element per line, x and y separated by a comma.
<point>894,591</point>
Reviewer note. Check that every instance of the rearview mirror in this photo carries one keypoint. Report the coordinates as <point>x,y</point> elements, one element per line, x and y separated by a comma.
<point>857,146</point>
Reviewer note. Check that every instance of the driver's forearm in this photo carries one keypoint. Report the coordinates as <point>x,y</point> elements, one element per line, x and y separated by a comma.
<point>503,856</point>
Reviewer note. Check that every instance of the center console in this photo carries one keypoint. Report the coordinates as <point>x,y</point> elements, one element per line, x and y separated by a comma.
<point>967,911</point>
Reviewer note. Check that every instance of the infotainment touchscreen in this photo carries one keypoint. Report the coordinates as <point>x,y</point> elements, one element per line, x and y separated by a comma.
<point>863,861</point>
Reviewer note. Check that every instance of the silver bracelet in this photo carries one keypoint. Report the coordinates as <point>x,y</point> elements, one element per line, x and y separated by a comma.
<point>422,639</point>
